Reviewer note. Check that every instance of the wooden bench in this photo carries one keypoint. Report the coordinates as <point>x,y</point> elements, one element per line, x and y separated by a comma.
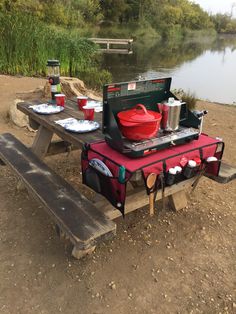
<point>74,214</point>
<point>227,173</point>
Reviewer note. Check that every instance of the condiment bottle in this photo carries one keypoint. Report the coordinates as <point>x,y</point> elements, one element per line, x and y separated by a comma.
<point>178,169</point>
<point>171,176</point>
<point>211,158</point>
<point>189,170</point>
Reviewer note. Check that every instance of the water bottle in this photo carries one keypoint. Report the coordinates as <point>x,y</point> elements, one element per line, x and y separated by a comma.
<point>121,176</point>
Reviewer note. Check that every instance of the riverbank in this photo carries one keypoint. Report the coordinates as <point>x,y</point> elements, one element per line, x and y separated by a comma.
<point>176,263</point>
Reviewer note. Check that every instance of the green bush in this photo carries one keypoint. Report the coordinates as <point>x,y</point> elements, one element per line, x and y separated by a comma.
<point>94,78</point>
<point>187,97</point>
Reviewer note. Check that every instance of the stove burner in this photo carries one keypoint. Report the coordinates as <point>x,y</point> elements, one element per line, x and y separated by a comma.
<point>162,139</point>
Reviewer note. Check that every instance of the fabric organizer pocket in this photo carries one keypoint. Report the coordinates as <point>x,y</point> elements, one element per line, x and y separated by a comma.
<point>158,163</point>
<point>108,186</point>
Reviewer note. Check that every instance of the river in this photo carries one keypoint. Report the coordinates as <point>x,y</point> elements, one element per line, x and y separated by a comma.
<point>205,67</point>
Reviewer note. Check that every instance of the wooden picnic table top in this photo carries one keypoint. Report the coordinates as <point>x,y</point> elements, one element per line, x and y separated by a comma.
<point>71,110</point>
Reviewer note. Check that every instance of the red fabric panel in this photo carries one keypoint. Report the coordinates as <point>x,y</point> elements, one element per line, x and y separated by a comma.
<point>115,192</point>
<point>133,164</point>
<point>156,168</point>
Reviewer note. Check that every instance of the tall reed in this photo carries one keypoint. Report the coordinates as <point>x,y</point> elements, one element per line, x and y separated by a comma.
<point>26,43</point>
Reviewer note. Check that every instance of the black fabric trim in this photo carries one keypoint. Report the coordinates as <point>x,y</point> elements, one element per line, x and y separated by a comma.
<point>156,161</point>
<point>172,156</point>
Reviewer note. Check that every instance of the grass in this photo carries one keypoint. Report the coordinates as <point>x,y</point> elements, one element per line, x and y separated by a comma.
<point>27,43</point>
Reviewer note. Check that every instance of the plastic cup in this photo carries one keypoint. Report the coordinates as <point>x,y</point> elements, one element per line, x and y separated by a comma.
<point>60,99</point>
<point>88,114</point>
<point>81,101</point>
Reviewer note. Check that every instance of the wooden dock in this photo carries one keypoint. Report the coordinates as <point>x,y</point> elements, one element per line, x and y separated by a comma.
<point>111,45</point>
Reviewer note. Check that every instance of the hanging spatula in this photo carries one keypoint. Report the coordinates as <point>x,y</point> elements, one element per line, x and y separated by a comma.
<point>151,180</point>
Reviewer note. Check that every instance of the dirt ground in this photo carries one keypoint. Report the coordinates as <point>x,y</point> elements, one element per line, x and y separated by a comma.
<point>182,262</point>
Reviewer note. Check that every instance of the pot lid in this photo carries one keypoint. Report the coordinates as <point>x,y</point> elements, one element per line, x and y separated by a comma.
<point>139,114</point>
<point>173,102</point>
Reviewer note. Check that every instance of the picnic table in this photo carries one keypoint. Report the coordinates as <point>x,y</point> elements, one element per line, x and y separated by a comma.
<point>83,221</point>
<point>44,146</point>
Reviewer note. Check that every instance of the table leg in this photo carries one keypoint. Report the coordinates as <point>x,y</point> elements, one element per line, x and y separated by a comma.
<point>79,253</point>
<point>33,124</point>
<point>42,141</point>
<point>178,200</point>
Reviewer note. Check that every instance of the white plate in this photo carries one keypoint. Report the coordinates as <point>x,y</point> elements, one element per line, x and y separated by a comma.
<point>81,126</point>
<point>47,109</point>
<point>97,105</point>
<point>94,103</point>
<point>98,109</point>
<point>100,166</point>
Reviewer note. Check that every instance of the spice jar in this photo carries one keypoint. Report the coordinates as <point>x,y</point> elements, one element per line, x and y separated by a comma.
<point>171,174</point>
<point>189,170</point>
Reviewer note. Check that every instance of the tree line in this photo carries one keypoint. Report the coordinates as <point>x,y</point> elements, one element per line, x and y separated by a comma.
<point>161,15</point>
<point>32,31</point>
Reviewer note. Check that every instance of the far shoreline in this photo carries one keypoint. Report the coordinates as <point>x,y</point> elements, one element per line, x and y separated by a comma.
<point>5,77</point>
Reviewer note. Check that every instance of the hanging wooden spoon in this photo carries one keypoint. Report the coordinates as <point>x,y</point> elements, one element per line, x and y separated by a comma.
<point>151,180</point>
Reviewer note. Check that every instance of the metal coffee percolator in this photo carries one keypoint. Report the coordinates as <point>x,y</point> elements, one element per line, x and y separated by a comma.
<point>53,71</point>
<point>170,114</point>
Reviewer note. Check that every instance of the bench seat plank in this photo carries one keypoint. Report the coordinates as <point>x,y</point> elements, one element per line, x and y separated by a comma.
<point>227,173</point>
<point>74,213</point>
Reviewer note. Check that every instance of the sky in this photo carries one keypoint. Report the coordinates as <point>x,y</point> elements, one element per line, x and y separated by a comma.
<point>217,6</point>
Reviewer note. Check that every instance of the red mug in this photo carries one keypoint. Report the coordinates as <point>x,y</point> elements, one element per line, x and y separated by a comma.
<point>88,113</point>
<point>60,99</point>
<point>81,101</point>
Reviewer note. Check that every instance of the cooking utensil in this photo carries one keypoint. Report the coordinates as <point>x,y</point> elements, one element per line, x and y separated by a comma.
<point>210,161</point>
<point>162,179</point>
<point>151,180</point>
<point>139,123</point>
<point>198,177</point>
<point>170,114</point>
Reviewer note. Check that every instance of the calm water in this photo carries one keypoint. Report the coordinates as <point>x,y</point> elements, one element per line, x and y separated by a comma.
<point>206,68</point>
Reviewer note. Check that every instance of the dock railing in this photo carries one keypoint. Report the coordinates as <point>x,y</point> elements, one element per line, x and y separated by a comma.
<point>111,42</point>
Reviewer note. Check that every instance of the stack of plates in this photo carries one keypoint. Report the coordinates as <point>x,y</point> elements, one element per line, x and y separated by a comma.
<point>78,126</point>
<point>97,105</point>
<point>47,108</point>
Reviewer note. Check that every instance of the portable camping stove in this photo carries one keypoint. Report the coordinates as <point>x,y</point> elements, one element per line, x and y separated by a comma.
<point>123,96</point>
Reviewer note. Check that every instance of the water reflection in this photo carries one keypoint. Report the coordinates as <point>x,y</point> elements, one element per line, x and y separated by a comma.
<point>205,66</point>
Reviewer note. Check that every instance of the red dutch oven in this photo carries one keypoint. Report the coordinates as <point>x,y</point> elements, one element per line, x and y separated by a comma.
<point>139,123</point>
